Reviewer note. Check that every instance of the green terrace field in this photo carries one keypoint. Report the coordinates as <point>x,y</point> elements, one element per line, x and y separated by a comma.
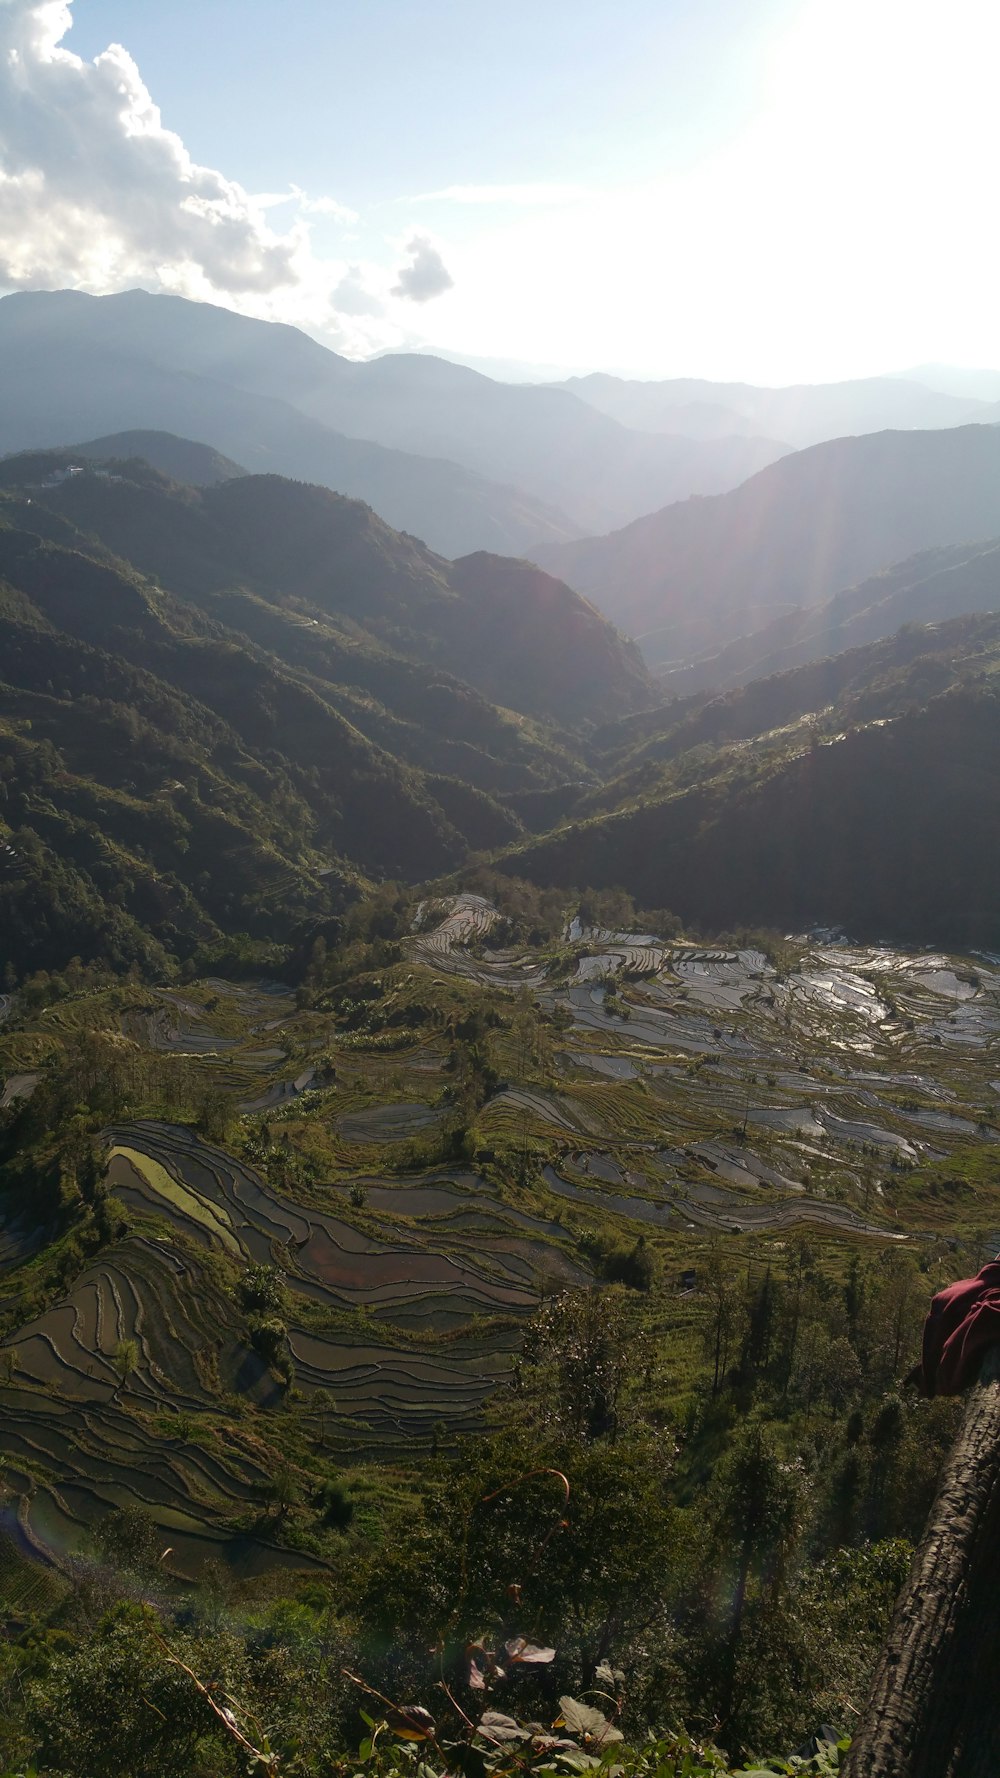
<point>418,1156</point>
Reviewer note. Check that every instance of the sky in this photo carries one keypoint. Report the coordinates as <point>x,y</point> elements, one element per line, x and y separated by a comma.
<point>765,190</point>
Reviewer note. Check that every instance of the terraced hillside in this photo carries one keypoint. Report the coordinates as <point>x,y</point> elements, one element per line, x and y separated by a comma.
<point>412,1160</point>
<point>796,1088</point>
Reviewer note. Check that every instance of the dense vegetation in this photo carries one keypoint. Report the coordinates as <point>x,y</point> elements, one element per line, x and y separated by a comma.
<point>226,748</point>
<point>858,792</point>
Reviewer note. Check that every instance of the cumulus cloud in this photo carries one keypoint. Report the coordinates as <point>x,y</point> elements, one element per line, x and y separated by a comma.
<point>97,193</point>
<point>425,275</point>
<point>94,189</point>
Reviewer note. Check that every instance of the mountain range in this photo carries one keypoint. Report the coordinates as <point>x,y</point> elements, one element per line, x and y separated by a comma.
<point>221,708</point>
<point>440,451</point>
<point>692,578</point>
<point>927,588</point>
<point>803,414</point>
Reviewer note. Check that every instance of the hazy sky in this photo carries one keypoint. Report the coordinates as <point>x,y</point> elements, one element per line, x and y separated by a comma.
<point>770,189</point>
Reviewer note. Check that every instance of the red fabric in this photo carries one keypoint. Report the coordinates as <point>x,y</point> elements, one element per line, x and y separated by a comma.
<point>962,1321</point>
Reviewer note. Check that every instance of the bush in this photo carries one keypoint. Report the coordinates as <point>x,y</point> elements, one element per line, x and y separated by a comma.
<point>334,1505</point>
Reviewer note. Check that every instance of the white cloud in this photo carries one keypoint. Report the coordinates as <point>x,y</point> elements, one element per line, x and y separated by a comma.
<point>354,295</point>
<point>94,188</point>
<point>97,193</point>
<point>307,206</point>
<point>844,226</point>
<point>426,275</point>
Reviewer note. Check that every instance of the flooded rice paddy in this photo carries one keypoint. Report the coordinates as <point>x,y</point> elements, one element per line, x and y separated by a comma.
<point>688,1093</point>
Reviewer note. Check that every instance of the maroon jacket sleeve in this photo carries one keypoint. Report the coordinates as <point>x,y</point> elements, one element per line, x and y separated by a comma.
<point>962,1321</point>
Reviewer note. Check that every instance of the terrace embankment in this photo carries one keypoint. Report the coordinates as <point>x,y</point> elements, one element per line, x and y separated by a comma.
<point>416,1193</point>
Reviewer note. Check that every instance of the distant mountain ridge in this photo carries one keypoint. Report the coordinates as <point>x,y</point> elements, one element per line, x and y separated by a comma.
<point>438,450</point>
<point>692,578</point>
<point>62,384</point>
<point>803,414</point>
<point>179,458</point>
<point>932,587</point>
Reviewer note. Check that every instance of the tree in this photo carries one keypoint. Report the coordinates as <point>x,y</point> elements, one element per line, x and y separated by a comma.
<point>725,1312</point>
<point>324,1405</point>
<point>840,1373</point>
<point>113,1707</point>
<point>125,1360</point>
<point>757,1503</point>
<point>585,1350</point>
<point>283,1488</point>
<point>128,1538</point>
<point>261,1291</point>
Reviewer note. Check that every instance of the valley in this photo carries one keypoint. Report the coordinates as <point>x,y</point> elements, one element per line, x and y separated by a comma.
<point>499,931</point>
<point>436,1048</point>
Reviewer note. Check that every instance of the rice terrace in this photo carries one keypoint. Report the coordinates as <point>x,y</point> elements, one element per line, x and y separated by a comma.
<point>403,1206</point>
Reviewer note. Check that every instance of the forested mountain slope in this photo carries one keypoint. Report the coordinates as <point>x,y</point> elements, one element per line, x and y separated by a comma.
<point>524,638</point>
<point>228,747</point>
<point>860,792</point>
<point>883,678</point>
<point>692,578</point>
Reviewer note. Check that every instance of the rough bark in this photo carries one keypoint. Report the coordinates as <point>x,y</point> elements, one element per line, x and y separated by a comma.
<point>934,1708</point>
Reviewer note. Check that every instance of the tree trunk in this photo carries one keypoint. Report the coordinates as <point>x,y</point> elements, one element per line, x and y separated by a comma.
<point>934,1710</point>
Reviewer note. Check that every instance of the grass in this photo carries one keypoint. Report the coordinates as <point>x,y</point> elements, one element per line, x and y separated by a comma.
<point>216,1220</point>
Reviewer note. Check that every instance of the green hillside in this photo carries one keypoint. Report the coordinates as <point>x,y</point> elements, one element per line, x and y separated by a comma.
<point>324,556</point>
<point>223,707</point>
<point>692,578</point>
<point>859,792</point>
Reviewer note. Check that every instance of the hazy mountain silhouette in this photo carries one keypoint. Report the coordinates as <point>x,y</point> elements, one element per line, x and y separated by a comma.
<point>930,588</point>
<point>274,399</point>
<point>544,439</point>
<point>803,414</point>
<point>690,579</point>
<point>75,367</point>
<point>179,458</point>
<point>954,379</point>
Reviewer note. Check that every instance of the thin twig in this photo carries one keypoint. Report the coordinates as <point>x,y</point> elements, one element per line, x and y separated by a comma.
<point>225,1716</point>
